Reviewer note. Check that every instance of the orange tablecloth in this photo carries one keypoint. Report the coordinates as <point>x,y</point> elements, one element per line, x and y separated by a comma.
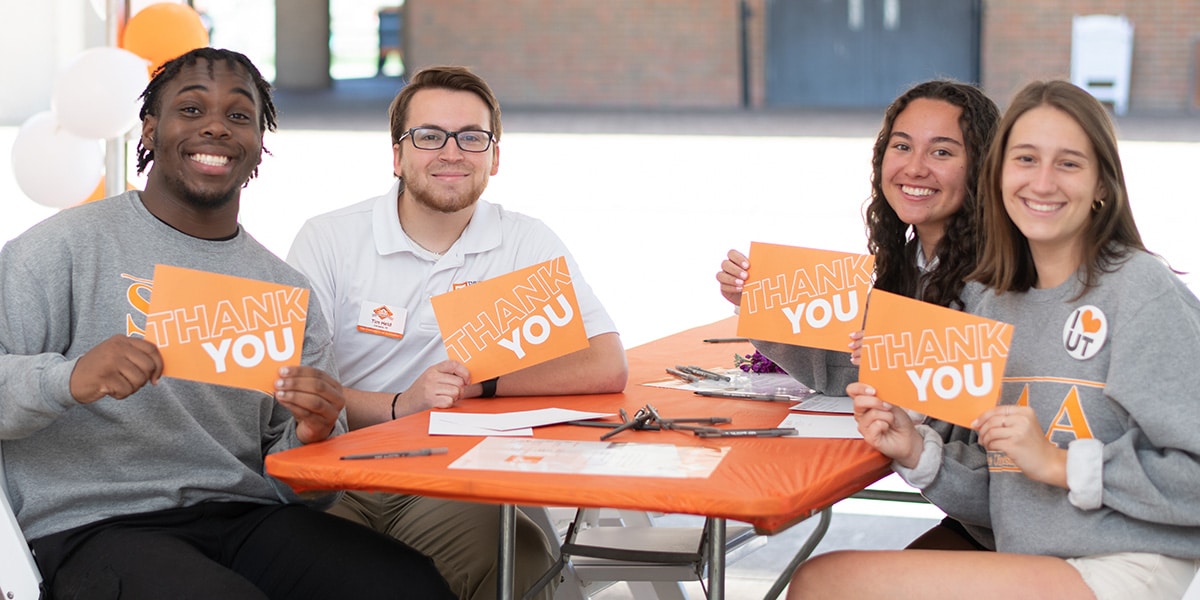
<point>770,483</point>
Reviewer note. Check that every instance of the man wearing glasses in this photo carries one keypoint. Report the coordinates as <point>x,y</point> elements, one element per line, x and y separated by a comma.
<point>374,265</point>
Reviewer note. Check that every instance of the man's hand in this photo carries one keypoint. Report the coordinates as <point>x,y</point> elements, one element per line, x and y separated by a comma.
<point>313,397</point>
<point>732,276</point>
<point>439,386</point>
<point>117,367</point>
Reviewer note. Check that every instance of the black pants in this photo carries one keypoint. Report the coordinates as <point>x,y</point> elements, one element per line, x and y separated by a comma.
<point>232,551</point>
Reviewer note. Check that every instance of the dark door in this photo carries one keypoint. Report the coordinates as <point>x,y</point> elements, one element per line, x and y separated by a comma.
<point>863,53</point>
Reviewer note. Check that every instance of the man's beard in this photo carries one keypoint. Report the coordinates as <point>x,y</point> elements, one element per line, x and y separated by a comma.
<point>202,199</point>
<point>444,204</point>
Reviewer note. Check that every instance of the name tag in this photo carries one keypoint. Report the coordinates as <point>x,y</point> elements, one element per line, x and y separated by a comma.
<point>380,319</point>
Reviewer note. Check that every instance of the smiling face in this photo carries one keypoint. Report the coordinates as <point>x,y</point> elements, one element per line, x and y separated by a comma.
<point>924,167</point>
<point>446,180</point>
<point>1049,179</point>
<point>205,136</point>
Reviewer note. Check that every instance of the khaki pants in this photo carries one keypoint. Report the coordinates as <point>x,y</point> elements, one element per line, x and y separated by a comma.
<point>462,538</point>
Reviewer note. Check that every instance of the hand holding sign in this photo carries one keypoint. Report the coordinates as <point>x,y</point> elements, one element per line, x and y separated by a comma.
<point>223,329</point>
<point>116,367</point>
<point>931,359</point>
<point>804,297</point>
<point>513,321</point>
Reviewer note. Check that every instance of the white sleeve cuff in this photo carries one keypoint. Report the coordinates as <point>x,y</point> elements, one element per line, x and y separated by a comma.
<point>1085,468</point>
<point>928,465</point>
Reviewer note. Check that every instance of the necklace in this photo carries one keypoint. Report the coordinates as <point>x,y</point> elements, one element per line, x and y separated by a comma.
<point>427,251</point>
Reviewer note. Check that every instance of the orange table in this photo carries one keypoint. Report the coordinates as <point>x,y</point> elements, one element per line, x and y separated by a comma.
<point>771,483</point>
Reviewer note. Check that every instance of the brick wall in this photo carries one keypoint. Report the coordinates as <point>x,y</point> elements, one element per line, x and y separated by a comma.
<point>685,53</point>
<point>622,53</point>
<point>1025,40</point>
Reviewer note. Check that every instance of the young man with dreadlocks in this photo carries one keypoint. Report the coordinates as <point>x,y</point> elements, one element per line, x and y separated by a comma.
<point>128,490</point>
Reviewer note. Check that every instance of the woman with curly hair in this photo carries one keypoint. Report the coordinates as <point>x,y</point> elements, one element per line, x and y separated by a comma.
<point>920,227</point>
<point>920,217</point>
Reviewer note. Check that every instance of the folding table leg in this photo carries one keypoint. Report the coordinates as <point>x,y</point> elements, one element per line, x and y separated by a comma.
<point>802,554</point>
<point>716,559</point>
<point>506,552</point>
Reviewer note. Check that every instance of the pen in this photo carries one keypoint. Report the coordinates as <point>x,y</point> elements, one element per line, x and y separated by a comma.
<point>744,395</point>
<point>774,432</point>
<point>639,421</point>
<point>688,377</point>
<point>399,454</point>
<point>705,373</point>
<point>725,340</point>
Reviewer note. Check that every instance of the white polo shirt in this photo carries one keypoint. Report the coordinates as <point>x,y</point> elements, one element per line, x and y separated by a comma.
<point>359,257</point>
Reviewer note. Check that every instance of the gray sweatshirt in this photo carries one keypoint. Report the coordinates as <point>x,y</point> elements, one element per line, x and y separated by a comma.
<point>1113,377</point>
<point>77,279</point>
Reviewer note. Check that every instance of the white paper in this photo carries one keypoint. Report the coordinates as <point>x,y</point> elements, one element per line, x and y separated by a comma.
<point>843,405</point>
<point>438,425</point>
<point>510,424</point>
<point>822,426</point>
<point>592,458</point>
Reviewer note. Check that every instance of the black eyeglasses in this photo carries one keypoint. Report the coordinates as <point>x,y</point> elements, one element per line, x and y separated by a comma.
<point>432,138</point>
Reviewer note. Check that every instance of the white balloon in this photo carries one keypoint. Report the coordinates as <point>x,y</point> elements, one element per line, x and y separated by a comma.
<point>96,96</point>
<point>53,166</point>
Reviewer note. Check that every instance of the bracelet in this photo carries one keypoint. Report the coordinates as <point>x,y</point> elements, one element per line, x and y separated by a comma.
<point>489,388</point>
<point>394,399</point>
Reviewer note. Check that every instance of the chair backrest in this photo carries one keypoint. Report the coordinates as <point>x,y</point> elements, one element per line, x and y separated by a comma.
<point>19,575</point>
<point>1101,57</point>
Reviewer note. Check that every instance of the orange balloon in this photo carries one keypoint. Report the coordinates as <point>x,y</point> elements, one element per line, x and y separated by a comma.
<point>164,31</point>
<point>98,193</point>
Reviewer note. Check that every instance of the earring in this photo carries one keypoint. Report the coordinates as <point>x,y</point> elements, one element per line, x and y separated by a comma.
<point>1097,205</point>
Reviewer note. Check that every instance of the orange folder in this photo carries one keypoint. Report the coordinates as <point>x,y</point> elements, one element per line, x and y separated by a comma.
<point>513,321</point>
<point>223,329</point>
<point>934,360</point>
<point>803,296</point>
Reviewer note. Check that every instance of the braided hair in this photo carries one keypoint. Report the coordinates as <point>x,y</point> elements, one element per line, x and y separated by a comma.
<point>152,100</point>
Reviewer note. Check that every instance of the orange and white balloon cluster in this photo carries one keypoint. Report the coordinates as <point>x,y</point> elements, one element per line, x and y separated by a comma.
<point>57,157</point>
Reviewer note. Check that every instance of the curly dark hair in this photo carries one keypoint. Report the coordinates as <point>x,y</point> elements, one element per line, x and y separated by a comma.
<point>152,100</point>
<point>893,242</point>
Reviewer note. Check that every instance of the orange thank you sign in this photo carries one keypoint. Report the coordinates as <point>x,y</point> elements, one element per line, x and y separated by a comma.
<point>931,359</point>
<point>223,329</point>
<point>803,296</point>
<point>513,321</point>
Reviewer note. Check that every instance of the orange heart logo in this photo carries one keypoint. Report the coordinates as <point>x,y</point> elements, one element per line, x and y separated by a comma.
<point>1090,323</point>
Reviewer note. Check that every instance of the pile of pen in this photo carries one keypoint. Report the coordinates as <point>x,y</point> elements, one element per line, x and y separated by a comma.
<point>647,418</point>
<point>693,374</point>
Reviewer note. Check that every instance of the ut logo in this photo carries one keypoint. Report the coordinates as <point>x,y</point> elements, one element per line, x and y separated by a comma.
<point>1085,332</point>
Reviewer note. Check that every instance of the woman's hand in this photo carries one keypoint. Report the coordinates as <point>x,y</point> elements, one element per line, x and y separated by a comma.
<point>885,427</point>
<point>732,276</point>
<point>1014,430</point>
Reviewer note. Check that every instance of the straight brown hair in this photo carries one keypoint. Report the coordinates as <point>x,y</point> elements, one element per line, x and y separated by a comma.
<point>1005,263</point>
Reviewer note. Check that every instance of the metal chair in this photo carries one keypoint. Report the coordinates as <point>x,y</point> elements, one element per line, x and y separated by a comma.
<point>1193,591</point>
<point>603,546</point>
<point>19,575</point>
<point>600,547</point>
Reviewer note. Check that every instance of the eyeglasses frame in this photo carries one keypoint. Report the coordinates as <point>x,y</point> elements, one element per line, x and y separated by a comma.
<point>449,134</point>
